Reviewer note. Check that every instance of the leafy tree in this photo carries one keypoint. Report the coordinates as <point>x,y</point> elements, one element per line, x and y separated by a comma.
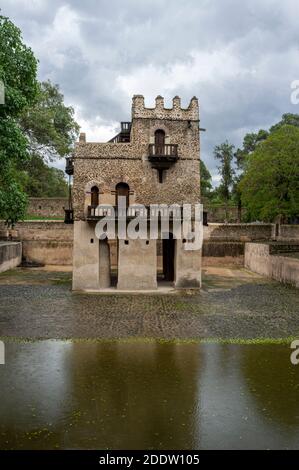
<point>288,118</point>
<point>40,180</point>
<point>270,185</point>
<point>205,180</point>
<point>13,203</point>
<point>51,131</point>
<point>225,153</point>
<point>250,142</point>
<point>18,68</point>
<point>49,124</point>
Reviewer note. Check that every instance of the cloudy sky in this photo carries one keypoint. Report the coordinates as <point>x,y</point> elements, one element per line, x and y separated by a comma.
<point>238,57</point>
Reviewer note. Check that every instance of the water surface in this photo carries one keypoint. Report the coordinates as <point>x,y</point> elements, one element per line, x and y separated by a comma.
<point>134,395</point>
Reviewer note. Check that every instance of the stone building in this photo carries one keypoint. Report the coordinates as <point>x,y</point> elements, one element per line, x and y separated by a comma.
<point>153,160</point>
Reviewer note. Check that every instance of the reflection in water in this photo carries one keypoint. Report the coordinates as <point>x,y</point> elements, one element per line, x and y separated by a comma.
<point>58,394</point>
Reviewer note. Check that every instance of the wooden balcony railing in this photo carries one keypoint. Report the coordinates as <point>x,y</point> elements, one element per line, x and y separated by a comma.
<point>124,134</point>
<point>125,126</point>
<point>167,151</point>
<point>98,212</point>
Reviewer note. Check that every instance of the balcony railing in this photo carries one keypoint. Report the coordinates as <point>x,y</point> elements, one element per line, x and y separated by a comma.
<point>124,134</point>
<point>98,212</point>
<point>167,151</point>
<point>162,156</point>
<point>125,126</point>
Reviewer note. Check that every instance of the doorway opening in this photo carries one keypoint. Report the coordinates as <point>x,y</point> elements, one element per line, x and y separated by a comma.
<point>165,261</point>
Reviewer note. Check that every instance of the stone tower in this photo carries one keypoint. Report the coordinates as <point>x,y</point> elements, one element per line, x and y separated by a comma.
<point>153,160</point>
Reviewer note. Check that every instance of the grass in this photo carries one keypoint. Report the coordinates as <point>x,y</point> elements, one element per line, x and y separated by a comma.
<point>39,217</point>
<point>147,340</point>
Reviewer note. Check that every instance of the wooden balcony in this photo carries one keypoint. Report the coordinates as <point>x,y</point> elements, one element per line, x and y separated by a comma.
<point>98,212</point>
<point>163,156</point>
<point>124,134</point>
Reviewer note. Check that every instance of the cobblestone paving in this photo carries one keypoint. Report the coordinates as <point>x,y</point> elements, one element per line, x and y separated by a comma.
<point>38,304</point>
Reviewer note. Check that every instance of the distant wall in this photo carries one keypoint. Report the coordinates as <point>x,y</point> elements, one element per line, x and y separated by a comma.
<point>51,242</point>
<point>289,232</point>
<point>10,255</point>
<point>261,258</point>
<point>48,242</point>
<point>218,213</point>
<point>237,232</point>
<point>47,206</point>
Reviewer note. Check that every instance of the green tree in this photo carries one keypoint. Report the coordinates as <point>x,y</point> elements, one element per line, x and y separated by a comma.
<point>49,124</point>
<point>13,203</point>
<point>225,153</point>
<point>40,180</point>
<point>18,68</point>
<point>205,180</point>
<point>270,184</point>
<point>51,130</point>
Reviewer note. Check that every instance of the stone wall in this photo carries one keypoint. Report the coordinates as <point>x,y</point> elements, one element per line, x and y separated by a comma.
<point>217,214</point>
<point>261,258</point>
<point>10,255</point>
<point>47,206</point>
<point>288,232</point>
<point>238,232</point>
<point>49,242</point>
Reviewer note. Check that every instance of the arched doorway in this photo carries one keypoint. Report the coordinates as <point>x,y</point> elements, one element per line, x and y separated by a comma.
<point>122,189</point>
<point>94,199</point>
<point>159,141</point>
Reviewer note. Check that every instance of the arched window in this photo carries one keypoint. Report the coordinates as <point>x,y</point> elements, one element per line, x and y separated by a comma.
<point>122,189</point>
<point>94,200</point>
<point>159,141</point>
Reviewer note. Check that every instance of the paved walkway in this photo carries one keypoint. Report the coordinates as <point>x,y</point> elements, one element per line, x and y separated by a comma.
<point>233,303</point>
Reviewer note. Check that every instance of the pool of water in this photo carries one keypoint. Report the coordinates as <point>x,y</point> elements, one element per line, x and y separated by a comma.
<point>135,395</point>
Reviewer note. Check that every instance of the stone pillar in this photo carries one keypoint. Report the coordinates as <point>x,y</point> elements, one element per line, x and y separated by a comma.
<point>187,267</point>
<point>137,264</point>
<point>85,257</point>
<point>104,264</point>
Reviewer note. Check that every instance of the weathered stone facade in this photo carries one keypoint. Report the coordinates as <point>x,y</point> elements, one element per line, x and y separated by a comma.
<point>104,165</point>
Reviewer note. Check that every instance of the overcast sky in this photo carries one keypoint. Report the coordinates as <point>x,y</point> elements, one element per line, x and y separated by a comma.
<point>238,57</point>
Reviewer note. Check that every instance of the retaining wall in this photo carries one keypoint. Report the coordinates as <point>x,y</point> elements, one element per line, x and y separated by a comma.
<point>266,259</point>
<point>10,255</point>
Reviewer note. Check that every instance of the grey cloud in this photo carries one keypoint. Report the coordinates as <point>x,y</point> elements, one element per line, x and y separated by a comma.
<point>93,44</point>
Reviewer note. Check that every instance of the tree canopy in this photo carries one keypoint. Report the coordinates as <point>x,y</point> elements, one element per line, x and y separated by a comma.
<point>49,124</point>
<point>18,68</point>
<point>35,127</point>
<point>205,180</point>
<point>270,183</point>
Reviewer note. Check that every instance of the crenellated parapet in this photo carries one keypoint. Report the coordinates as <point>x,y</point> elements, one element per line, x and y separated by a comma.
<point>191,113</point>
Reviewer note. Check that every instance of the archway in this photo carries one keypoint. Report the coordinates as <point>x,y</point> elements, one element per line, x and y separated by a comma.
<point>94,196</point>
<point>122,189</point>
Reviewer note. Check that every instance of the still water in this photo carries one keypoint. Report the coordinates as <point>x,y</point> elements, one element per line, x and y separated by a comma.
<point>57,394</point>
